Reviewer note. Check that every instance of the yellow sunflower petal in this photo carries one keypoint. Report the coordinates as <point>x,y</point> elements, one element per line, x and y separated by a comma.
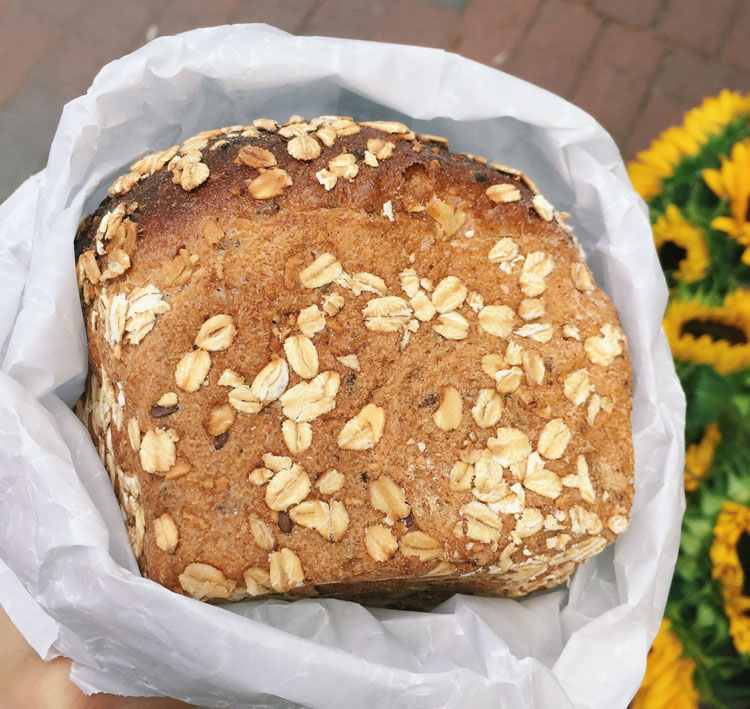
<point>733,521</point>
<point>713,179</point>
<point>699,456</point>
<point>733,317</point>
<point>652,166</point>
<point>668,682</point>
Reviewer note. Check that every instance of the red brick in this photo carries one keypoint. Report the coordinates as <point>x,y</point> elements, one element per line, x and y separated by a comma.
<point>25,38</point>
<point>556,46</point>
<point>697,24</point>
<point>689,78</point>
<point>737,46</point>
<point>618,76</point>
<point>183,15</point>
<point>639,13</point>
<point>355,19</point>
<point>661,112</point>
<point>103,32</point>
<point>418,22</point>
<point>288,15</point>
<point>490,30</point>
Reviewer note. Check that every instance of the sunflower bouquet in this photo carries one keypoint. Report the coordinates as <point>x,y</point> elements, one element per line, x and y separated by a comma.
<point>695,179</point>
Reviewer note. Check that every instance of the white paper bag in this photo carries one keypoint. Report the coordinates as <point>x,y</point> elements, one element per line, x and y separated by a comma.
<point>67,575</point>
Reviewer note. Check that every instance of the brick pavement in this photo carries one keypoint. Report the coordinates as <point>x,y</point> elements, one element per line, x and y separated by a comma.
<point>636,65</point>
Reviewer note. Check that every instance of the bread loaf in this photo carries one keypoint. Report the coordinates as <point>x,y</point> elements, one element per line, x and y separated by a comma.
<point>333,358</point>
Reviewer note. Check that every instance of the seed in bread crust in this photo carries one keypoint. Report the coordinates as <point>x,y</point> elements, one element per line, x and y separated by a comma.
<point>387,497</point>
<point>543,208</point>
<point>581,480</point>
<point>165,533</point>
<point>363,431</point>
<point>424,310</point>
<point>381,149</point>
<point>286,570</point>
<point>603,349</point>
<point>581,277</point>
<point>488,408</point>
<point>219,420</point>
<point>216,334</point>
<point>351,361</point>
<point>536,267</point>
<point>311,320</point>
<point>344,166</point>
<point>577,387</point>
<point>533,365</point>
<point>618,524</point>
<point>303,147</point>
<point>537,331</point>
<point>301,355</point>
<point>203,581</point>
<point>134,434</point>
<point>192,370</point>
<point>554,439</point>
<point>269,384</point>
<point>297,436</point>
<point>157,451</point>
<point>452,326</point>
<point>362,282</point>
<point>327,179</point>
<point>243,399</point>
<point>449,294</point>
<point>269,184</point>
<point>448,415</point>
<point>543,482</point>
<point>380,543</point>
<point>449,219</point>
<point>461,476</point>
<point>508,380</point>
<point>256,157</point>
<point>482,524</point>
<point>193,175</point>
<point>420,545</point>
<point>288,487</point>
<point>124,183</point>
<point>496,320</point>
<point>323,270</point>
<point>510,446</point>
<point>261,534</point>
<point>532,308</point>
<point>308,400</point>
<point>504,192</point>
<point>504,250</point>
<point>530,523</point>
<point>257,581</point>
<point>331,482</point>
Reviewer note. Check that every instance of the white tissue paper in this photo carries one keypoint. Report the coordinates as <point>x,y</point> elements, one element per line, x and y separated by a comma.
<point>68,578</point>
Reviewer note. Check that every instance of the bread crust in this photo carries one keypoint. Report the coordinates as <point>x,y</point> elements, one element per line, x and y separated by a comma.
<point>261,311</point>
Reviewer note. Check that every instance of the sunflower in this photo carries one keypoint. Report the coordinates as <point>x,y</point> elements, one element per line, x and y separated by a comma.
<point>668,683</point>
<point>703,334</point>
<point>699,456</point>
<point>681,246</point>
<point>730,554</point>
<point>732,180</point>
<point>652,166</point>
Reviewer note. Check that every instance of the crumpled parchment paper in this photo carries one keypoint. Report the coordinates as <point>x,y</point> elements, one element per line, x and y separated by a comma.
<point>67,575</point>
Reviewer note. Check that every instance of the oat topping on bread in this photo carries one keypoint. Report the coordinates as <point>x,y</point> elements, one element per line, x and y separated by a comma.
<point>333,358</point>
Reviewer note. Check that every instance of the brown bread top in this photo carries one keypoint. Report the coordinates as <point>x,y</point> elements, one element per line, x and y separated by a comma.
<point>335,358</point>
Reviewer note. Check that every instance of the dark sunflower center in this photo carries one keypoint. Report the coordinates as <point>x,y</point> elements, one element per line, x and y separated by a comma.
<point>715,330</point>
<point>743,553</point>
<point>670,255</point>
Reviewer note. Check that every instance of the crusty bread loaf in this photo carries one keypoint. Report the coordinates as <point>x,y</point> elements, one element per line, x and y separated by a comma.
<point>333,358</point>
